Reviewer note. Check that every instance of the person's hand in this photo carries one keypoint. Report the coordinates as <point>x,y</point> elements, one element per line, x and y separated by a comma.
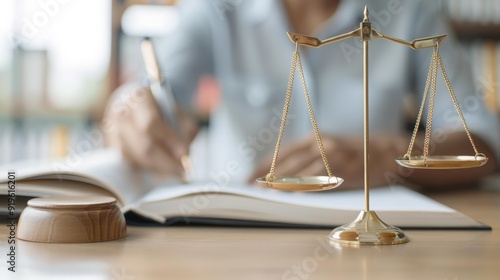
<point>345,156</point>
<point>133,124</point>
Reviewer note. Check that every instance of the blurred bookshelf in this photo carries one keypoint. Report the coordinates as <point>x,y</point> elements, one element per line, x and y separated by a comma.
<point>476,24</point>
<point>470,30</point>
<point>46,138</point>
<point>54,66</point>
<point>54,85</point>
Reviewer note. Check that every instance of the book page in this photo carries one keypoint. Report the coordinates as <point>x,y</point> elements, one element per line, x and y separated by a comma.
<point>396,204</point>
<point>104,169</point>
<point>190,208</point>
<point>394,198</point>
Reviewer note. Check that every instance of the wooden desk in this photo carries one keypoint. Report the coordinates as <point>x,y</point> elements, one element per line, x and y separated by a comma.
<point>235,253</point>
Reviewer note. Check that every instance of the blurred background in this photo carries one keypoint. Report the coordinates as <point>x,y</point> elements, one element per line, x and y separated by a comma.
<point>60,60</point>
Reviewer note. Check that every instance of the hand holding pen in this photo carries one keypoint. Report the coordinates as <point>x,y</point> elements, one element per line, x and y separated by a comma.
<point>147,127</point>
<point>164,97</point>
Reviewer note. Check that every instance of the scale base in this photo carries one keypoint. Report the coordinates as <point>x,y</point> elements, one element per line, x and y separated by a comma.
<point>367,229</point>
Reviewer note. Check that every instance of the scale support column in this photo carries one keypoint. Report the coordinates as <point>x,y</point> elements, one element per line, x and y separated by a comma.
<point>367,228</point>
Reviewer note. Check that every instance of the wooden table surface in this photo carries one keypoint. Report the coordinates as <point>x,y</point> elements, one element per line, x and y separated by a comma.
<point>252,253</point>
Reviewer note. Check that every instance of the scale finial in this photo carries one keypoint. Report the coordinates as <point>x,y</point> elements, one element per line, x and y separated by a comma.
<point>366,13</point>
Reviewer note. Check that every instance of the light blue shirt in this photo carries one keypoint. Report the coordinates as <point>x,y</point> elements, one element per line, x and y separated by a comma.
<point>244,44</point>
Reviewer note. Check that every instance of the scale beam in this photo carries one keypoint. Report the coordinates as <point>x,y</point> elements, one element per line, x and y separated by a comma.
<point>314,42</point>
<point>420,43</point>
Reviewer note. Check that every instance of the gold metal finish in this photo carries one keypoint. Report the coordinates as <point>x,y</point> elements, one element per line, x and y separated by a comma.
<point>307,183</point>
<point>421,43</point>
<point>295,183</point>
<point>366,36</point>
<point>428,42</point>
<point>368,228</point>
<point>442,162</point>
<point>314,42</point>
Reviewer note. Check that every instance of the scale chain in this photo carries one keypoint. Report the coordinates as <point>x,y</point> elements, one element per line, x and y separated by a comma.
<point>296,60</point>
<point>313,118</point>
<point>430,113</point>
<point>270,177</point>
<point>420,112</point>
<point>436,63</point>
<point>457,106</point>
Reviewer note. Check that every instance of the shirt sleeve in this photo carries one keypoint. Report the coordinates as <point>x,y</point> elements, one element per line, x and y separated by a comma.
<point>187,54</point>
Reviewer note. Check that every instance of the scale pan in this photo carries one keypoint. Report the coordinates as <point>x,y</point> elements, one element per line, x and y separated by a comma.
<point>443,162</point>
<point>307,183</point>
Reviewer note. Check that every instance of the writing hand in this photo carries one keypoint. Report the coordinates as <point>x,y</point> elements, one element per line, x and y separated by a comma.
<point>133,124</point>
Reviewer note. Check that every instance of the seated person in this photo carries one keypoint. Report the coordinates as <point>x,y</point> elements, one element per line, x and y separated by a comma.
<point>244,45</point>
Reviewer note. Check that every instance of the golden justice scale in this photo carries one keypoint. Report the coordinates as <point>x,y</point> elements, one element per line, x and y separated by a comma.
<point>367,228</point>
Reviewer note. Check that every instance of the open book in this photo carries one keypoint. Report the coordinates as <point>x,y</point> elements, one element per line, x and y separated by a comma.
<point>227,203</point>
